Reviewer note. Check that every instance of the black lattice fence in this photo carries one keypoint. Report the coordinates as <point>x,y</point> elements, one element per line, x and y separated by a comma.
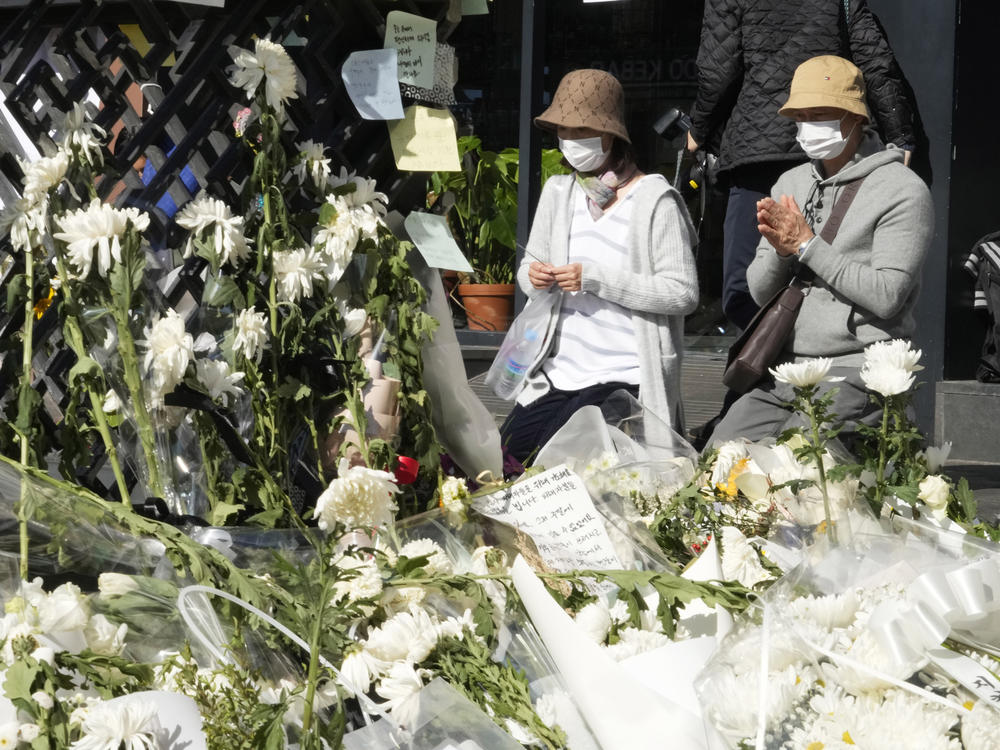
<point>53,54</point>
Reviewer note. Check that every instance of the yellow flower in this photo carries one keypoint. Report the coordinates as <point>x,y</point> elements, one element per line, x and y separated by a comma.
<point>728,488</point>
<point>43,304</point>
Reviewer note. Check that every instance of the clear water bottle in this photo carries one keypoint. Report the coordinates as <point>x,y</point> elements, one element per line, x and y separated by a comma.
<point>515,365</point>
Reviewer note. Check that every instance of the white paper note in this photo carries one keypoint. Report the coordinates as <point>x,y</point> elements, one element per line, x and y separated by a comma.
<point>555,510</point>
<point>474,8</point>
<point>371,82</point>
<point>415,39</point>
<point>430,233</point>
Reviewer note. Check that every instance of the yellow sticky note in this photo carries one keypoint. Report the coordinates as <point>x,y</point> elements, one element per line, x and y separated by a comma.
<point>425,140</point>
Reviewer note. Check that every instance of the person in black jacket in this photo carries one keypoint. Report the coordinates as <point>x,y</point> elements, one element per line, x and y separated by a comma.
<point>748,53</point>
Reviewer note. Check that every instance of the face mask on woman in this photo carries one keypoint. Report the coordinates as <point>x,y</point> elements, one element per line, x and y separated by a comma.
<point>822,140</point>
<point>584,154</point>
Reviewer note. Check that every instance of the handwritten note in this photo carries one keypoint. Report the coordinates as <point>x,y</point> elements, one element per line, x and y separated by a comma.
<point>425,140</point>
<point>430,234</point>
<point>474,8</point>
<point>371,82</point>
<point>414,38</point>
<point>555,510</point>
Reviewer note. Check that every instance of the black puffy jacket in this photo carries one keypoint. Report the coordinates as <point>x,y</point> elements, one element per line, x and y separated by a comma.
<point>749,51</point>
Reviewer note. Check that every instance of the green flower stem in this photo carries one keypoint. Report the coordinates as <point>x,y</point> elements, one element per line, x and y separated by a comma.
<point>74,337</point>
<point>133,381</point>
<point>817,449</point>
<point>883,438</point>
<point>27,341</point>
<point>313,673</point>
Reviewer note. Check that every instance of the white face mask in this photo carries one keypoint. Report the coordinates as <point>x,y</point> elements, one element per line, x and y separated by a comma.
<point>822,140</point>
<point>584,154</point>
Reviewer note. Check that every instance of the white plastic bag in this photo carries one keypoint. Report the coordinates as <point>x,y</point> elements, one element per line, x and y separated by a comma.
<point>521,346</point>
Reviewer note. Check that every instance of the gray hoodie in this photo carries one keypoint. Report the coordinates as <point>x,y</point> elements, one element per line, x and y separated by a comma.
<point>867,280</point>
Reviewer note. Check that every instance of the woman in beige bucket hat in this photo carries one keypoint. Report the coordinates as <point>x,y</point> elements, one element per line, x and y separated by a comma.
<point>615,246</point>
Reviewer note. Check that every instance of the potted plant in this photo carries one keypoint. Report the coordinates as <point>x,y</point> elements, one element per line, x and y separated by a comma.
<point>480,203</point>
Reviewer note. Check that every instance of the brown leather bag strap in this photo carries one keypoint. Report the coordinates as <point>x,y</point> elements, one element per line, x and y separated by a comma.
<point>840,211</point>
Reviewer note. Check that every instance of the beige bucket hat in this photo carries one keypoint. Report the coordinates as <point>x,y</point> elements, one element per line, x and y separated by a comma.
<point>827,81</point>
<point>587,99</point>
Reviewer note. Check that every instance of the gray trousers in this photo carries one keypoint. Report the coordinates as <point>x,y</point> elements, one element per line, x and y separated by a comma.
<point>764,412</point>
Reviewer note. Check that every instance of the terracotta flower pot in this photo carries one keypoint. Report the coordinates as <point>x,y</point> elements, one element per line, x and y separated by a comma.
<point>489,307</point>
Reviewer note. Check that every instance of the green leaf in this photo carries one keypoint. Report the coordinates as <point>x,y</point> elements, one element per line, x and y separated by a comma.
<point>17,290</point>
<point>222,511</point>
<point>86,368</point>
<point>221,291</point>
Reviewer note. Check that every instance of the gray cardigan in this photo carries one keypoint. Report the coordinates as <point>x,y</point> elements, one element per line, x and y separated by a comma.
<point>659,286</point>
<point>867,281</point>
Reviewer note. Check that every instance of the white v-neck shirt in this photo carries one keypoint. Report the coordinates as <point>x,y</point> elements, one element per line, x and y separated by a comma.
<point>595,339</point>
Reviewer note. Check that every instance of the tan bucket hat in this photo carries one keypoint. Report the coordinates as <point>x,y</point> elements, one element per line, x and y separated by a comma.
<point>827,81</point>
<point>587,99</point>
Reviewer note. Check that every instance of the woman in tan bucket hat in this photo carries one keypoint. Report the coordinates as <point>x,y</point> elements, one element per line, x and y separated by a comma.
<point>615,245</point>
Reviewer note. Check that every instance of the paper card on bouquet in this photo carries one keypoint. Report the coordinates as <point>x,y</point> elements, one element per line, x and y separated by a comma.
<point>474,8</point>
<point>430,234</point>
<point>414,37</point>
<point>556,511</point>
<point>425,140</point>
<point>371,82</point>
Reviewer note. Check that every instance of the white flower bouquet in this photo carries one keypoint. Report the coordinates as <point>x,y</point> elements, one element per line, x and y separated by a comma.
<point>887,642</point>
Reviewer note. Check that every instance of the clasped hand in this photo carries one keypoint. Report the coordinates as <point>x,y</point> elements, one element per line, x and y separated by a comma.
<point>544,275</point>
<point>781,223</point>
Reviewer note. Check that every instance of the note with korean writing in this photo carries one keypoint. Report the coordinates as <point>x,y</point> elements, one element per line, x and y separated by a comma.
<point>555,510</point>
<point>415,39</point>
<point>425,140</point>
<point>429,232</point>
<point>371,82</point>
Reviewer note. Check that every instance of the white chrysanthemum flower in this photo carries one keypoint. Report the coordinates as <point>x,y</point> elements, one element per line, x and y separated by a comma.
<point>43,174</point>
<point>218,379</point>
<point>80,134</point>
<point>24,219</point>
<point>358,497</point>
<point>364,193</point>
<point>806,373</point>
<point>729,453</point>
<point>121,723</point>
<point>829,612</point>
<point>268,63</point>
<point>169,349</point>
<point>43,699</point>
<point>886,380</point>
<point>981,728</point>
<point>251,334</point>
<point>104,637</point>
<point>409,635</point>
<point>354,319</point>
<point>454,492</point>
<point>365,581</point>
<point>437,558</point>
<point>204,213</point>
<point>633,641</point>
<point>358,670</point>
<point>111,402</point>
<point>895,353</point>
<point>934,492</point>
<point>97,230</point>
<point>457,627</point>
<point>312,163</point>
<point>296,271</point>
<point>402,682</point>
<point>740,560</point>
<point>8,734</point>
<point>594,620</point>
<point>65,608</point>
